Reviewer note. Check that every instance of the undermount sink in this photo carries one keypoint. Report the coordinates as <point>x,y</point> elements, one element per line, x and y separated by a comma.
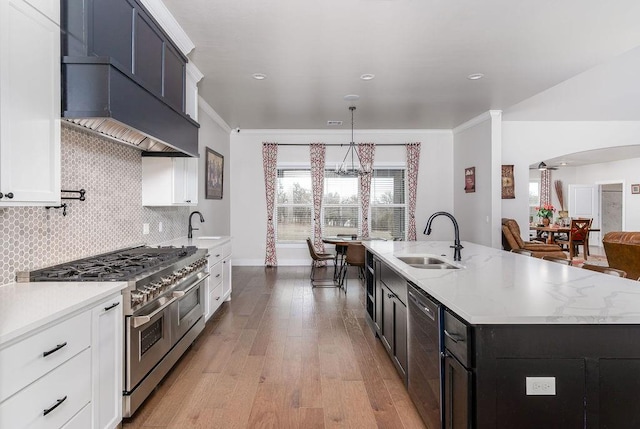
<point>427,262</point>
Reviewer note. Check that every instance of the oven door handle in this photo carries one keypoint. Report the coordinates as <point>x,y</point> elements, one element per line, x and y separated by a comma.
<point>138,321</point>
<point>181,293</point>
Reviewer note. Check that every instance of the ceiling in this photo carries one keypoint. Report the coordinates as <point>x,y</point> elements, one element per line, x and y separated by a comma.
<point>596,156</point>
<point>421,52</point>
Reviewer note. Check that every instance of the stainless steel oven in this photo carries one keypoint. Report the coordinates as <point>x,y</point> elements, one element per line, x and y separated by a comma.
<point>187,308</point>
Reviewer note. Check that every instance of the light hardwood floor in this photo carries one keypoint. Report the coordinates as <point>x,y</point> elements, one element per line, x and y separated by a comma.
<point>282,355</point>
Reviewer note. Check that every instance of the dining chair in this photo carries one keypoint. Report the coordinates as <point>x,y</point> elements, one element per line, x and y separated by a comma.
<point>578,235</point>
<point>315,259</point>
<point>341,250</point>
<point>557,260</point>
<point>605,270</point>
<point>355,258</point>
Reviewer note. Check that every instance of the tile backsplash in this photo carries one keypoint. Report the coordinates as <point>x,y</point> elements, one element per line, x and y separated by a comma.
<point>111,217</point>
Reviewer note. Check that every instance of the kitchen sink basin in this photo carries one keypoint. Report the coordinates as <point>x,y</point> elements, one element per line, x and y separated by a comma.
<point>427,262</point>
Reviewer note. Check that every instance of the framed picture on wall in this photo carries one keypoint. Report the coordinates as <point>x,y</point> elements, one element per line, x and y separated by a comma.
<point>469,180</point>
<point>635,188</point>
<point>214,169</point>
<point>508,188</point>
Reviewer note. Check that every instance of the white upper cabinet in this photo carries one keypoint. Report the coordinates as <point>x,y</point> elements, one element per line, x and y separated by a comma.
<point>29,103</point>
<point>169,181</point>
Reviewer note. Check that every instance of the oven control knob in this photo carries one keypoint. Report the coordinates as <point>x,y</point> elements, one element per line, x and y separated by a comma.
<point>136,298</point>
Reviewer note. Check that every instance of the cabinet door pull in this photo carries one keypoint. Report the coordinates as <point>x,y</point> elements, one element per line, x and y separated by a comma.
<point>54,406</point>
<point>55,349</point>
<point>217,275</point>
<point>218,299</point>
<point>218,255</point>
<point>115,304</point>
<point>9,195</point>
<point>455,338</point>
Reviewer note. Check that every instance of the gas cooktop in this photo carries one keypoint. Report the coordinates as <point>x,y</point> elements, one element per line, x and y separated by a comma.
<point>121,265</point>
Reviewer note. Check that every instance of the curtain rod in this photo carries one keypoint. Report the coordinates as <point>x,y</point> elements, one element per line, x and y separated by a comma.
<point>338,144</point>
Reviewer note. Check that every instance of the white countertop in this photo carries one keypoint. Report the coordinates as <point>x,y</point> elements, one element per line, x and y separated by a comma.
<point>28,306</point>
<point>498,287</point>
<point>200,242</point>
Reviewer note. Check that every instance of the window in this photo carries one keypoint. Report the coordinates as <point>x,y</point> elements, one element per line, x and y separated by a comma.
<point>388,208</point>
<point>340,205</point>
<point>294,205</point>
<point>534,194</point>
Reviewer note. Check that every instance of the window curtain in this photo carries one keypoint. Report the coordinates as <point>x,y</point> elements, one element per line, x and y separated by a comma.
<point>366,153</point>
<point>317,152</point>
<point>270,166</point>
<point>545,187</point>
<point>413,163</point>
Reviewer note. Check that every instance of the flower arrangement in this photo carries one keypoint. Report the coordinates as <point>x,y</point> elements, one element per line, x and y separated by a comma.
<point>546,210</point>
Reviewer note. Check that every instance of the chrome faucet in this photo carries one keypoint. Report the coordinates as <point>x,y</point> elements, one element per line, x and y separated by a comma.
<point>191,228</point>
<point>456,243</point>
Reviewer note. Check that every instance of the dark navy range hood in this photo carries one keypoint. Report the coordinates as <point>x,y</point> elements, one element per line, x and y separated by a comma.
<point>124,78</point>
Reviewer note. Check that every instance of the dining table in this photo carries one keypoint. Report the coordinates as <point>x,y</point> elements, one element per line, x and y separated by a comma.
<point>552,230</point>
<point>341,243</point>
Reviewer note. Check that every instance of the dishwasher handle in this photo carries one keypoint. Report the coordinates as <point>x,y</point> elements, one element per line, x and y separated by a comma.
<point>423,307</point>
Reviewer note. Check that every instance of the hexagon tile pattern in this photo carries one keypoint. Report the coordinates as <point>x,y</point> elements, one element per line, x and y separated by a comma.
<point>111,217</point>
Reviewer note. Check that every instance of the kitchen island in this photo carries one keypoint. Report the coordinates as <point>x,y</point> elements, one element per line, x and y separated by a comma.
<point>525,343</point>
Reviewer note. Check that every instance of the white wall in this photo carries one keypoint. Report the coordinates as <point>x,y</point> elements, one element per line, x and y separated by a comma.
<point>248,204</point>
<point>525,143</point>
<point>627,172</point>
<point>214,134</point>
<point>477,144</point>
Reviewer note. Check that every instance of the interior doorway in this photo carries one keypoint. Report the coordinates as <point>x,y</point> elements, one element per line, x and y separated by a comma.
<point>611,207</point>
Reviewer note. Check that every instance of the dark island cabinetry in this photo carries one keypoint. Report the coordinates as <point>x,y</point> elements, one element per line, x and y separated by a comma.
<point>525,376</point>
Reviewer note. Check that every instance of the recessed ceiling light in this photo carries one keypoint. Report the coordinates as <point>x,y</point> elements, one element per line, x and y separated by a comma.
<point>367,76</point>
<point>564,163</point>
<point>475,76</point>
<point>259,76</point>
<point>351,97</point>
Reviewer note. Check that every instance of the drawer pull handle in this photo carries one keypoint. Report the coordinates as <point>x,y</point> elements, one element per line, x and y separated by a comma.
<point>218,299</point>
<point>455,338</point>
<point>217,275</point>
<point>114,305</point>
<point>56,405</point>
<point>55,349</point>
<point>218,255</point>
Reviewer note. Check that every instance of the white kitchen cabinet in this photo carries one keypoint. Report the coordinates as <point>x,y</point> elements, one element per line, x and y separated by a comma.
<point>67,373</point>
<point>106,350</point>
<point>218,287</point>
<point>29,102</point>
<point>169,181</point>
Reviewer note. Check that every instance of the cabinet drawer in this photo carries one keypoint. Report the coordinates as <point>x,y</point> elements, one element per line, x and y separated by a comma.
<point>216,274</point>
<point>24,362</point>
<point>215,255</point>
<point>457,338</point>
<point>396,283</point>
<point>82,420</point>
<point>215,299</point>
<point>71,381</point>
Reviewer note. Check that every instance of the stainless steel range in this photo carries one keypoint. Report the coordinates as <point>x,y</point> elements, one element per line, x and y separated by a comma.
<point>163,307</point>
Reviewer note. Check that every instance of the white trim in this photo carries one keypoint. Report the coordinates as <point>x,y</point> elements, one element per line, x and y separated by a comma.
<point>169,24</point>
<point>317,132</point>
<point>206,108</point>
<point>194,72</point>
<point>477,120</point>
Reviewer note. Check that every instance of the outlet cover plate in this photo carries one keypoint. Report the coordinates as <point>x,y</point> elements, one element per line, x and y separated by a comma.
<point>145,228</point>
<point>541,385</point>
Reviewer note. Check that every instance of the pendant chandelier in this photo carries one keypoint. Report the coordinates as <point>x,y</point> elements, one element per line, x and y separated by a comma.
<point>351,165</point>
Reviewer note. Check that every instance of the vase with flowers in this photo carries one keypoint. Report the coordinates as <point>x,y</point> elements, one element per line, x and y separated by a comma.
<point>545,212</point>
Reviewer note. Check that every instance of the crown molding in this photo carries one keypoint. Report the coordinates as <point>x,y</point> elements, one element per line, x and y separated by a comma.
<point>169,24</point>
<point>316,132</point>
<point>206,108</point>
<point>489,114</point>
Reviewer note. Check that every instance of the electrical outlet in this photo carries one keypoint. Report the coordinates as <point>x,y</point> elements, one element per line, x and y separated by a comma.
<point>145,228</point>
<point>159,226</point>
<point>541,385</point>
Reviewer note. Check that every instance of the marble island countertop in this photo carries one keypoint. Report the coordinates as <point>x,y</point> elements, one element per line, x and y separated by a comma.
<point>28,306</point>
<point>497,287</point>
<point>203,242</point>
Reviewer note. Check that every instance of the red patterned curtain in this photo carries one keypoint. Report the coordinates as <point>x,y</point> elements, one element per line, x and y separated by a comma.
<point>317,186</point>
<point>413,163</point>
<point>270,166</point>
<point>366,153</point>
<point>545,187</point>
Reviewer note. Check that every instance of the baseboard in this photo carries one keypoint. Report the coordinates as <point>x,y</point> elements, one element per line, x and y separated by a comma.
<point>281,262</point>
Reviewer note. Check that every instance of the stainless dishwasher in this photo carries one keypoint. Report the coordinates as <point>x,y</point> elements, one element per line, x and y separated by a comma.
<point>424,347</point>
